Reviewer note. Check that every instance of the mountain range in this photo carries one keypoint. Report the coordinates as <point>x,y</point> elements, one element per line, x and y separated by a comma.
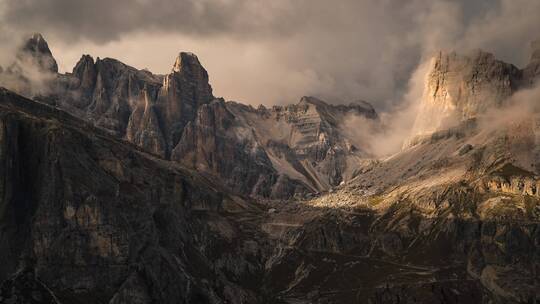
<point>124,186</point>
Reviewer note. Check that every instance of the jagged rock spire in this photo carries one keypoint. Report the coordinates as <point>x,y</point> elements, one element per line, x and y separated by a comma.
<point>37,50</point>
<point>85,71</point>
<point>186,60</point>
<point>183,92</point>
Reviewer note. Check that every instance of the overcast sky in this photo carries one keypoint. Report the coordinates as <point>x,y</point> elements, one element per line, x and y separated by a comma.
<point>275,51</point>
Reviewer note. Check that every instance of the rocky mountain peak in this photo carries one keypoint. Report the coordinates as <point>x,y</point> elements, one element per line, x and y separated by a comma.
<point>33,70</point>
<point>187,67</point>
<point>85,72</point>
<point>186,61</point>
<point>460,87</point>
<point>182,93</point>
<point>37,49</point>
<point>37,44</point>
<point>85,61</point>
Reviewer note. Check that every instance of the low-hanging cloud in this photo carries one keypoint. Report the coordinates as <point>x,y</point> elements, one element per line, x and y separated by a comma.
<point>25,77</point>
<point>276,51</point>
<point>522,107</point>
<point>384,137</point>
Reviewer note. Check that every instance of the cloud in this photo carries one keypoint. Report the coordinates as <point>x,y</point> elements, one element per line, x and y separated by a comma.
<point>522,106</point>
<point>385,137</point>
<point>26,77</point>
<point>103,20</point>
<point>272,52</point>
<point>506,29</point>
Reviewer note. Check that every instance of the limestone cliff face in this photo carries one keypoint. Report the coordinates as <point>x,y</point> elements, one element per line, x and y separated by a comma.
<point>461,87</point>
<point>277,152</point>
<point>184,90</point>
<point>105,92</point>
<point>317,139</point>
<point>144,128</point>
<point>218,142</point>
<point>84,81</point>
<point>176,117</point>
<point>150,110</point>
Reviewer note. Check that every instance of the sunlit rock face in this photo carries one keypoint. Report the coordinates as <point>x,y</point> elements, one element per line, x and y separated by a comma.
<point>461,87</point>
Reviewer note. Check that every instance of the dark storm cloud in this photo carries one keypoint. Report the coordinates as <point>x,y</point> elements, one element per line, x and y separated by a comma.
<point>105,20</point>
<point>340,50</point>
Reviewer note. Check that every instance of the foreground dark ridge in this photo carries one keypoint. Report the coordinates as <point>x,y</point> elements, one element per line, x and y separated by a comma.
<point>86,218</point>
